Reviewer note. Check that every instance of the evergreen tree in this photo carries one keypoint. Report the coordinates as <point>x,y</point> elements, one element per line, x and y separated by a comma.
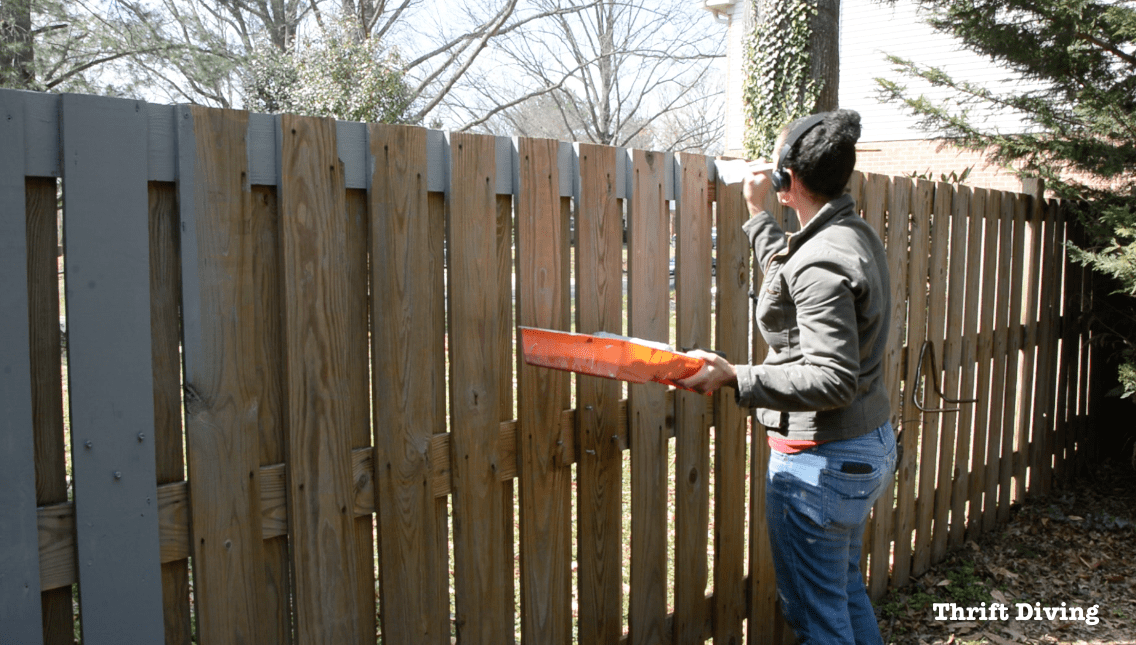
<point>1078,61</point>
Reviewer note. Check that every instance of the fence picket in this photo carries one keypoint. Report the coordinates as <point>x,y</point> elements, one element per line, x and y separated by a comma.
<point>483,575</point>
<point>1014,381</point>
<point>968,384</point>
<point>20,605</point>
<point>165,329</point>
<point>692,449</point>
<point>916,326</point>
<point>897,237</point>
<point>648,305</point>
<point>356,330</point>
<point>933,371</point>
<point>952,358</point>
<point>227,393</point>
<point>544,472</point>
<point>46,369</point>
<point>999,387</point>
<point>731,332</point>
<point>984,343</point>
<point>317,366</point>
<point>110,369</point>
<point>409,385</point>
<point>599,304</point>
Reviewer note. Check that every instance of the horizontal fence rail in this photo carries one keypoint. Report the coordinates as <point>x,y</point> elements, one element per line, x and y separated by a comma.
<point>260,382</point>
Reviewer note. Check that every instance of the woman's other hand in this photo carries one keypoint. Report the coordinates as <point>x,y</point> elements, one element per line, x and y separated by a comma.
<point>716,372</point>
<point>756,186</point>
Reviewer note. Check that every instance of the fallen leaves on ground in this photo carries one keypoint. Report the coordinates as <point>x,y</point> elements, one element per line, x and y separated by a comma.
<point>1075,547</point>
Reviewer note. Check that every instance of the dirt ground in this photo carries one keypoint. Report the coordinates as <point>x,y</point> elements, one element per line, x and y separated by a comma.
<point>1074,548</point>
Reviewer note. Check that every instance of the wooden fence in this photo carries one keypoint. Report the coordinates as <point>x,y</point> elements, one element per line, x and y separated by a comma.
<point>287,407</point>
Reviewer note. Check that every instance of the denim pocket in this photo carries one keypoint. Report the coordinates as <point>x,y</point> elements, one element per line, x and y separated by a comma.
<point>848,497</point>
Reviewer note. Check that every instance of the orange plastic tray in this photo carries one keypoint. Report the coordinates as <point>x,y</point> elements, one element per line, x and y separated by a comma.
<point>607,355</point>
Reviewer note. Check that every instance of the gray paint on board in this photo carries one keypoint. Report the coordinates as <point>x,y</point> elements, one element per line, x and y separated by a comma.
<point>106,237</point>
<point>20,615</point>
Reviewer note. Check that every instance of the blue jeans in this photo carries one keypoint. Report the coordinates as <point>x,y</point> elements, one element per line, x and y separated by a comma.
<point>816,504</point>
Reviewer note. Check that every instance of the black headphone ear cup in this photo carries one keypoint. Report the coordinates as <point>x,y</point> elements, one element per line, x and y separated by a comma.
<point>780,180</point>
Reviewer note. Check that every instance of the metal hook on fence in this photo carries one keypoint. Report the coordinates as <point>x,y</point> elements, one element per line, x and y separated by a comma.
<point>928,346</point>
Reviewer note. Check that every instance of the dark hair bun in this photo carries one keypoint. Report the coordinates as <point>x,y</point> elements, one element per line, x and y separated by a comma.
<point>825,157</point>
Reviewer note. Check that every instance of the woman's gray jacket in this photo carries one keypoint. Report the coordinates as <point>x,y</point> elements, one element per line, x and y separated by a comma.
<point>823,308</point>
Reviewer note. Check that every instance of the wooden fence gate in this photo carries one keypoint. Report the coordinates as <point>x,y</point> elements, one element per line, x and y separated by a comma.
<point>277,399</point>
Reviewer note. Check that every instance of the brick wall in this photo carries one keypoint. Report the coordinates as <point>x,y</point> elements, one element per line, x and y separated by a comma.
<point>933,158</point>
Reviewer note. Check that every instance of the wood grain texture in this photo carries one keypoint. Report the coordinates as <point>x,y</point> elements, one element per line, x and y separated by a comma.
<point>692,412</point>
<point>1030,298</point>
<point>483,575</point>
<point>967,379</point>
<point>897,239</point>
<point>46,374</point>
<point>951,359</point>
<point>409,385</point>
<point>224,392</point>
<point>165,343</point>
<point>317,367</point>
<point>599,303</point>
<point>545,476</point>
<point>999,389</point>
<point>732,314</point>
<point>357,251</point>
<point>648,313</point>
<point>940,236</point>
<point>1013,410</point>
<point>976,482</point>
<point>922,202</point>
<point>264,231</point>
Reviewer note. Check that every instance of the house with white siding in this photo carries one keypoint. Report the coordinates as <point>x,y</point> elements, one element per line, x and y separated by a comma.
<point>890,142</point>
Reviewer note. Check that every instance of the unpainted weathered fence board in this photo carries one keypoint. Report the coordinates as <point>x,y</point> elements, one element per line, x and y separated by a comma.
<point>693,257</point>
<point>544,474</point>
<point>897,238</point>
<point>317,362</point>
<point>964,463</point>
<point>110,368</point>
<point>1013,411</point>
<point>20,609</point>
<point>226,379</point>
<point>1000,387</point>
<point>357,332</point>
<point>409,385</point>
<point>483,579</point>
<point>165,344</point>
<point>976,481</point>
<point>922,202</point>
<point>275,596</point>
<point>933,372</point>
<point>648,313</point>
<point>46,370</point>
<point>731,336</point>
<point>599,304</point>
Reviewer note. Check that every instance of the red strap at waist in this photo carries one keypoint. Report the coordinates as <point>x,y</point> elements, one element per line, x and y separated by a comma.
<point>790,446</point>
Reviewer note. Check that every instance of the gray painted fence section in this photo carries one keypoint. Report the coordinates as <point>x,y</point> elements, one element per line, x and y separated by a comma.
<point>20,618</point>
<point>104,143</point>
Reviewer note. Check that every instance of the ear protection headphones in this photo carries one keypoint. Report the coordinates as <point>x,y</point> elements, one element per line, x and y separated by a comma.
<point>780,177</point>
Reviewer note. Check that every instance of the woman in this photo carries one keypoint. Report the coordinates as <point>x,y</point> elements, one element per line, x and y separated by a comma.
<point>823,308</point>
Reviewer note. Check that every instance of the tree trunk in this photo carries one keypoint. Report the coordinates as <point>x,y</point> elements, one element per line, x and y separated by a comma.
<point>16,52</point>
<point>825,45</point>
